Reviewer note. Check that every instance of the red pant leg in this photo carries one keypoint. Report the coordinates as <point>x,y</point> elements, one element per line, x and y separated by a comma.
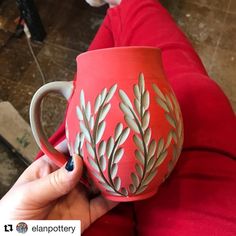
<point>197,199</point>
<point>192,202</point>
<point>104,36</point>
<point>205,108</point>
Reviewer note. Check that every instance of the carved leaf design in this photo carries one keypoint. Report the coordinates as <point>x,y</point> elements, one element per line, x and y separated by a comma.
<point>135,179</point>
<point>92,128</point>
<point>126,110</point>
<point>146,100</point>
<point>132,124</point>
<point>147,136</point>
<point>149,178</point>
<point>139,169</point>
<point>93,164</point>
<point>114,170</point>
<point>109,189</point>
<point>158,92</point>
<point>79,113</point>
<point>170,120</point>
<point>124,191</point>
<point>99,177</point>
<point>102,148</point>
<point>85,131</point>
<point>90,150</point>
<point>104,112</point>
<point>91,122</point>
<point>110,145</point>
<point>102,163</point>
<point>161,158</point>
<point>79,141</point>
<point>111,93</point>
<point>151,163</point>
<point>169,103</point>
<point>100,131</point>
<point>88,111</point>
<point>145,120</point>
<point>141,83</point>
<point>82,99</point>
<point>118,130</point>
<point>137,106</point>
<point>162,104</point>
<point>97,103</point>
<point>117,182</point>
<point>138,142</point>
<point>169,138</point>
<point>125,99</point>
<point>113,193</point>
<point>141,189</point>
<point>132,188</point>
<point>175,152</point>
<point>118,155</point>
<point>103,94</point>
<point>139,156</point>
<point>82,139</point>
<point>180,130</point>
<point>160,146</point>
<point>137,92</point>
<point>152,149</point>
<point>124,135</point>
<point>110,153</point>
<point>174,136</point>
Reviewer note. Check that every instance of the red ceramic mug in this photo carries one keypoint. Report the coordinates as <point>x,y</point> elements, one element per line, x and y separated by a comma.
<point>123,119</point>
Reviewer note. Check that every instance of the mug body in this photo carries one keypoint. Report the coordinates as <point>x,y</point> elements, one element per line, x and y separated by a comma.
<point>123,119</point>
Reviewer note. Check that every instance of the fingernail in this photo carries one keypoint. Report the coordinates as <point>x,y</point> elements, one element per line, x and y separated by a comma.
<point>70,164</point>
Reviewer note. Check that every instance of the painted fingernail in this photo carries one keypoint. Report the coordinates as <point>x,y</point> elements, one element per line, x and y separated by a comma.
<point>70,164</point>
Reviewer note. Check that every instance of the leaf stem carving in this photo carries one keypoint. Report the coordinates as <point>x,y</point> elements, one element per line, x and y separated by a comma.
<point>144,146</point>
<point>139,123</point>
<point>93,137</point>
<point>172,112</point>
<point>93,142</point>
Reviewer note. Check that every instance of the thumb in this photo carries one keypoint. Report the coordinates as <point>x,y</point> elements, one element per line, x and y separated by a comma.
<point>58,183</point>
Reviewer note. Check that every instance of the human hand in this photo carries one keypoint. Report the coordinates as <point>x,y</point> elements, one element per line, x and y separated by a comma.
<point>45,192</point>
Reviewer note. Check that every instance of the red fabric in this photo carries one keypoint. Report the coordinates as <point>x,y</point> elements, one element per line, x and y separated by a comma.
<point>198,199</point>
<point>199,196</point>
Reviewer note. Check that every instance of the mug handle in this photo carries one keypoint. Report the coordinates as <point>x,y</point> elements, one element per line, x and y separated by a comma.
<point>64,88</point>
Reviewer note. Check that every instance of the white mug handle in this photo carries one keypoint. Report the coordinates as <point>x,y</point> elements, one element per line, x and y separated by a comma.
<point>64,88</point>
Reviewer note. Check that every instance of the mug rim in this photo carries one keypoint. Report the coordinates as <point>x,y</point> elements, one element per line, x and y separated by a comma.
<point>117,49</point>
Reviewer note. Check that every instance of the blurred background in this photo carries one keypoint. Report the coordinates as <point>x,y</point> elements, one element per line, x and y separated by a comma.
<point>70,27</point>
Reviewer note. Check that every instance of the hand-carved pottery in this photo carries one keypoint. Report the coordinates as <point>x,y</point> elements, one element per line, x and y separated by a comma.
<point>123,119</point>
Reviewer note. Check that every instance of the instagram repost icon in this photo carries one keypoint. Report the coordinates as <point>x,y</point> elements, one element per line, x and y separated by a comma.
<point>8,228</point>
<point>22,227</point>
